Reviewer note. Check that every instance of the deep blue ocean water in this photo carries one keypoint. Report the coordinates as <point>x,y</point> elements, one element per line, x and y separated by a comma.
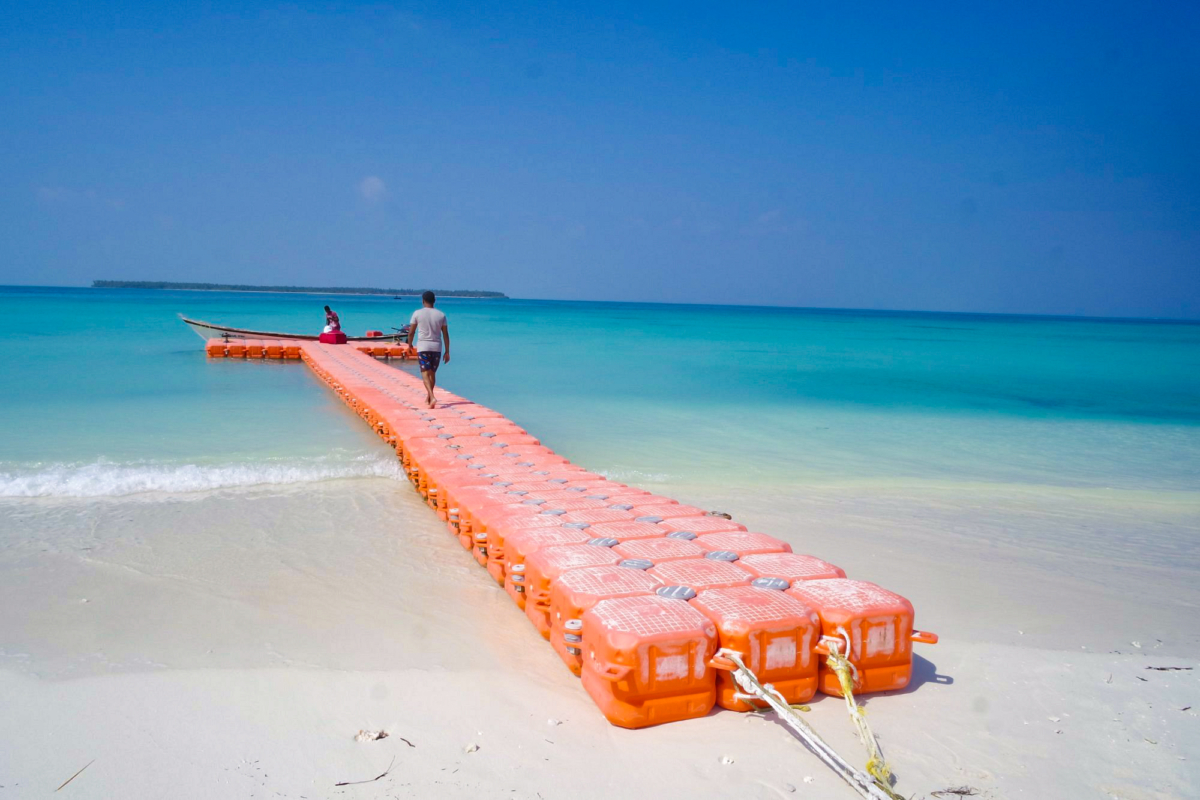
<point>107,392</point>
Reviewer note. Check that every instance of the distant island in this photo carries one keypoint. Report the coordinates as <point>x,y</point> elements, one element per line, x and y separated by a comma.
<point>237,287</point>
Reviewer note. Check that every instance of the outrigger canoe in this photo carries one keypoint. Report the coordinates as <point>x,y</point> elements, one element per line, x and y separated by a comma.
<point>206,331</point>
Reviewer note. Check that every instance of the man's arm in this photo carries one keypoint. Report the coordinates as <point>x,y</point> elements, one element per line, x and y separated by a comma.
<point>446,339</point>
<point>412,330</point>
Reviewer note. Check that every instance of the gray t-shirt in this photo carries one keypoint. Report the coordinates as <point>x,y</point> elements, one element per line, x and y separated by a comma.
<point>429,322</point>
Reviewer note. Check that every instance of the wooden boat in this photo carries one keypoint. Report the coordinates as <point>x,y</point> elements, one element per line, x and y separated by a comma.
<point>206,331</point>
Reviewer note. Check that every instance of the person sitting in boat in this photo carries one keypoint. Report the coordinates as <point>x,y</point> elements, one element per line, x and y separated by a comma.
<point>332,323</point>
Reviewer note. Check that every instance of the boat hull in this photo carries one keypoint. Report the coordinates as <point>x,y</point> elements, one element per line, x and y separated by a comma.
<point>207,330</point>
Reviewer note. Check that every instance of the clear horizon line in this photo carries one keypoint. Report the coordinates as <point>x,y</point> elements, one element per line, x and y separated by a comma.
<point>1062,315</point>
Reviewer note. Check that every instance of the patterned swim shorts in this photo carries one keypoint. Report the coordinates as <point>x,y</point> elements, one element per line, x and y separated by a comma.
<point>429,360</point>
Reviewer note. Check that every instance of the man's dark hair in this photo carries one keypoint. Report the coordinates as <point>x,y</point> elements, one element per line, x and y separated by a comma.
<point>428,297</point>
<point>326,308</point>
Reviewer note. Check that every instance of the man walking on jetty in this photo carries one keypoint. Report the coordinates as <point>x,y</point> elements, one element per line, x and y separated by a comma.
<point>431,330</point>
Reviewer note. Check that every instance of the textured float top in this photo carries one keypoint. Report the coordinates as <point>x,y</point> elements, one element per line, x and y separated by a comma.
<point>649,615</point>
<point>628,530</point>
<point>554,560</point>
<point>609,580</point>
<point>702,525</point>
<point>598,515</point>
<point>743,542</point>
<point>754,606</point>
<point>700,573</point>
<point>790,567</point>
<point>659,549</point>
<point>528,541</point>
<point>840,596</point>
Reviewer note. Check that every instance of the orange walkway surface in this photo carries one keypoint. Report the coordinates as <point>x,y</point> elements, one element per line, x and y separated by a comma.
<point>635,591</point>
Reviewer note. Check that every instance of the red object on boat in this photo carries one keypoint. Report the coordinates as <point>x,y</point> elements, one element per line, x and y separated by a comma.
<point>333,337</point>
<point>374,334</point>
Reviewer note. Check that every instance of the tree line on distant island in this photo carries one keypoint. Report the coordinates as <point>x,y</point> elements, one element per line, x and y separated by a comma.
<point>237,287</point>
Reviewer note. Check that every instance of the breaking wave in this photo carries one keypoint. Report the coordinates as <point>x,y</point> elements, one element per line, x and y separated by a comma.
<point>105,478</point>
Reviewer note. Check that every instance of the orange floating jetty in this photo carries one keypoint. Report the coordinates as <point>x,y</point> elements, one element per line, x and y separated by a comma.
<point>646,660</point>
<point>634,590</point>
<point>874,628</point>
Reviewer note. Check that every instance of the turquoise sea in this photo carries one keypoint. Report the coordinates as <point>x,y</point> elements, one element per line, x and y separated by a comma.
<point>108,393</point>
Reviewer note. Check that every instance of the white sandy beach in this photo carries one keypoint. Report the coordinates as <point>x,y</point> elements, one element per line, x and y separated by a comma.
<point>232,644</point>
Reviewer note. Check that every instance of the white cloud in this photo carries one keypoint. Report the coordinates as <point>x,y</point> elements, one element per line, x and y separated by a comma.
<point>372,188</point>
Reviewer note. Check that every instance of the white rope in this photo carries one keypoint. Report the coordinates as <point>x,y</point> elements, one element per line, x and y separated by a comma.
<point>749,683</point>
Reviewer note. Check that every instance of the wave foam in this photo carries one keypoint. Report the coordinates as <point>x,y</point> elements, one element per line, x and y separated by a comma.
<point>108,479</point>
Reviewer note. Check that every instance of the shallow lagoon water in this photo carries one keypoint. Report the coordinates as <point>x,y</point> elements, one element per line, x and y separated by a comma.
<point>103,383</point>
<point>223,546</point>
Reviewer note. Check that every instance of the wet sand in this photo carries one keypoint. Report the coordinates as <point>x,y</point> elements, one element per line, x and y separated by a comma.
<point>233,643</point>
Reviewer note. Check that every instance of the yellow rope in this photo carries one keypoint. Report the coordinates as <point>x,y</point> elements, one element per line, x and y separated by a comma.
<point>867,785</point>
<point>877,767</point>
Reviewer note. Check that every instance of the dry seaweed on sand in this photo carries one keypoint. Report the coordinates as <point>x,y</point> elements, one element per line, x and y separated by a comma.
<point>372,780</point>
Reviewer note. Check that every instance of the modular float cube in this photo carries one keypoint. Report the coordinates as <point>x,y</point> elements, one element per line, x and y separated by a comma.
<point>646,660</point>
<point>774,633</point>
<point>875,623</point>
<point>578,590</point>
<point>543,569</point>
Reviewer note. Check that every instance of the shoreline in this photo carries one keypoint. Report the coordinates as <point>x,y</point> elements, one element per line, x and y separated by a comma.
<point>348,607</point>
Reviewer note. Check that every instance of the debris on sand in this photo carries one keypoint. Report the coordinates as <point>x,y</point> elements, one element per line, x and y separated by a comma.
<point>370,736</point>
<point>370,780</point>
<point>76,775</point>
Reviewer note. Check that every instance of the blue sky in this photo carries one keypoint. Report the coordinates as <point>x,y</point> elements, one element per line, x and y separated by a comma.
<point>1001,157</point>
